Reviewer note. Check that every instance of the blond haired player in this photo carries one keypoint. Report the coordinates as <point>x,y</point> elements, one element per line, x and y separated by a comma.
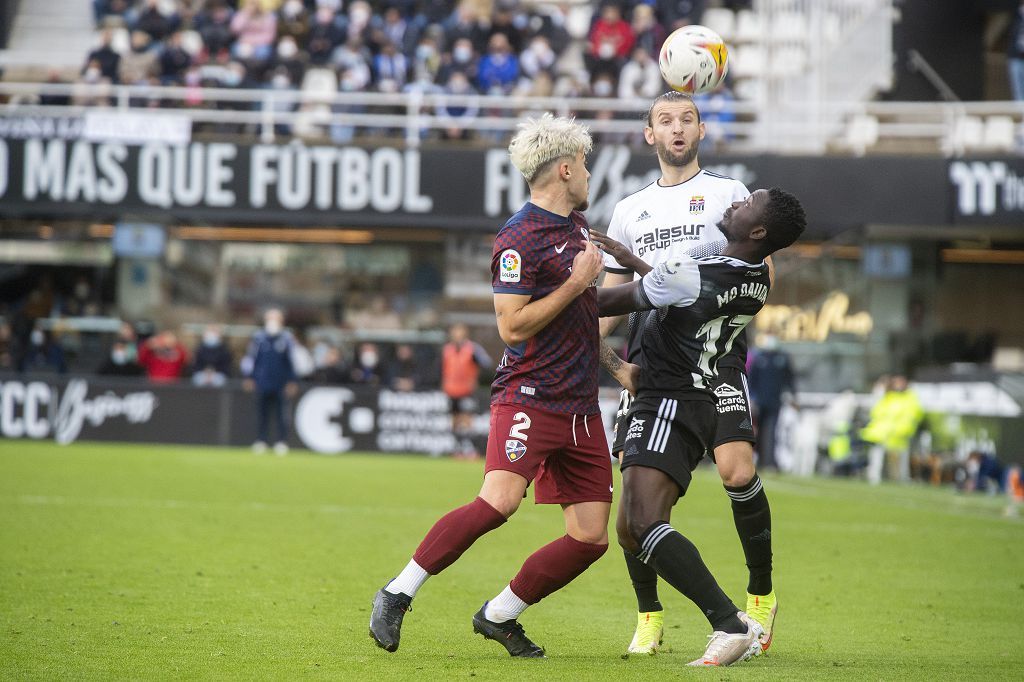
<point>545,422</point>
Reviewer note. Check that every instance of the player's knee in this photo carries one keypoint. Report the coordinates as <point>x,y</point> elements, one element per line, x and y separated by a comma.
<point>591,536</point>
<point>735,463</point>
<point>505,505</point>
<point>505,502</point>
<point>637,524</point>
<point>739,476</point>
<point>626,540</point>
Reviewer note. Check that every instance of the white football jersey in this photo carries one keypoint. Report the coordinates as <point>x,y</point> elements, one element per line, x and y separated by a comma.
<point>657,222</point>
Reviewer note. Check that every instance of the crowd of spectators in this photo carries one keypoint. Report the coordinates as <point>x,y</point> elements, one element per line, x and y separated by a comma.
<point>211,359</point>
<point>433,46</point>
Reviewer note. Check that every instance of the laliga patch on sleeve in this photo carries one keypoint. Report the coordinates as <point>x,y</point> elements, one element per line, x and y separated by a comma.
<point>510,266</point>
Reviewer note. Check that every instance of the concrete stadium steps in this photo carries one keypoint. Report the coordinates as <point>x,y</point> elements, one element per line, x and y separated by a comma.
<point>49,34</point>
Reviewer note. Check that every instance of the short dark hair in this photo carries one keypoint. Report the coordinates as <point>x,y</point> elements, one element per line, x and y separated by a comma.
<point>784,219</point>
<point>670,96</point>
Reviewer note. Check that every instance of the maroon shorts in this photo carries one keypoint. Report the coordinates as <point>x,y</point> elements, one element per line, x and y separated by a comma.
<point>566,456</point>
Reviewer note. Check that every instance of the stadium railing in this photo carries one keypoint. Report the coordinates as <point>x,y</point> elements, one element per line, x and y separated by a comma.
<point>899,127</point>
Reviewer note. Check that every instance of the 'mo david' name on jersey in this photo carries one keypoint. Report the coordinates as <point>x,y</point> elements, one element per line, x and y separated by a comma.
<point>754,290</point>
<point>663,237</point>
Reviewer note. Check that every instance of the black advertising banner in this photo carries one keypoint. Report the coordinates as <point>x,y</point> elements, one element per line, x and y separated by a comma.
<point>987,191</point>
<point>329,420</point>
<point>454,186</point>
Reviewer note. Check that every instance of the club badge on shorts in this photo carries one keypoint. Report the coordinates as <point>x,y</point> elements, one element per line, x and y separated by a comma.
<point>514,450</point>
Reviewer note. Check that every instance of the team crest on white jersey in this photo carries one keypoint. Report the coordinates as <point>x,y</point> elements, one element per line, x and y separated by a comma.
<point>515,450</point>
<point>697,203</point>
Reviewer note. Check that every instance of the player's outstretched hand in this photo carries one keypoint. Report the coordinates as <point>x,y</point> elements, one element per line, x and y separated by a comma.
<point>587,265</point>
<point>617,250</point>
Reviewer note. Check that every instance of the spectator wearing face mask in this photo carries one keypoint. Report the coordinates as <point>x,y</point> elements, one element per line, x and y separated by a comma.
<point>461,59</point>
<point>454,114</point>
<point>290,58</point>
<point>163,357</point>
<point>609,43</point>
<point>537,57</point>
<point>104,60</point>
<point>269,373</point>
<point>121,362</point>
<point>426,60</point>
<point>366,369</point>
<point>212,364</point>
<point>499,68</point>
<point>43,354</point>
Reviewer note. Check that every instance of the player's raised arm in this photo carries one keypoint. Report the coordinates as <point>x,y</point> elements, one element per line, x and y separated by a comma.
<point>520,317</point>
<point>675,282</point>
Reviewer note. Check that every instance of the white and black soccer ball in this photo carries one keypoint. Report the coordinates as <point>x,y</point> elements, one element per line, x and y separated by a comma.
<point>694,60</point>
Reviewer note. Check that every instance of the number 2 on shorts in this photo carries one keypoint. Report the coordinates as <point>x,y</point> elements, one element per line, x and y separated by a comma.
<point>518,430</point>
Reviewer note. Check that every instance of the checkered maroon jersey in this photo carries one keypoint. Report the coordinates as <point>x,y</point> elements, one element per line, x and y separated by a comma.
<point>556,370</point>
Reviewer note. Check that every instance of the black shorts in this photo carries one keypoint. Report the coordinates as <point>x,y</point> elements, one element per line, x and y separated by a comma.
<point>670,435</point>
<point>732,398</point>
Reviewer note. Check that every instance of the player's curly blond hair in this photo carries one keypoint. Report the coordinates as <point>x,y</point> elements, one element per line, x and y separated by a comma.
<point>543,140</point>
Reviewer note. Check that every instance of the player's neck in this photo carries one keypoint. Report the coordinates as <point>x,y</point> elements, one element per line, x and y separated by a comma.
<point>557,203</point>
<point>744,252</point>
<point>676,175</point>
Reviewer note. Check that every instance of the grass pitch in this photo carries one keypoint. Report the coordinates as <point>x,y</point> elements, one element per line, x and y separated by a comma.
<point>145,562</point>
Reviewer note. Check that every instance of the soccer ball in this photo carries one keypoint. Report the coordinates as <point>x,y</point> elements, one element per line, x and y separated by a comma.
<point>694,59</point>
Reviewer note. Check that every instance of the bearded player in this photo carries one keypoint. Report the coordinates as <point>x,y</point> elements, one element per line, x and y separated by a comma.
<point>679,214</point>
<point>545,423</point>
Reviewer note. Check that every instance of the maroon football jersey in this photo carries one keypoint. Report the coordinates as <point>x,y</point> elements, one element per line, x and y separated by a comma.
<point>557,369</point>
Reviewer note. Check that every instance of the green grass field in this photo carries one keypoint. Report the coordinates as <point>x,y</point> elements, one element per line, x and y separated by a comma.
<point>148,562</point>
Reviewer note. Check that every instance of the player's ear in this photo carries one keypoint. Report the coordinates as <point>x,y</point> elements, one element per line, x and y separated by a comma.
<point>703,130</point>
<point>649,134</point>
<point>759,232</point>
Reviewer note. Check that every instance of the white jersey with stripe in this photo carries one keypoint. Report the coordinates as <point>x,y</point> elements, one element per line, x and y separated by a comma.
<point>658,222</point>
<point>702,306</point>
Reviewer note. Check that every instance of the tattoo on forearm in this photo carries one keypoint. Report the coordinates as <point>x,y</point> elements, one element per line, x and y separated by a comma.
<point>610,359</point>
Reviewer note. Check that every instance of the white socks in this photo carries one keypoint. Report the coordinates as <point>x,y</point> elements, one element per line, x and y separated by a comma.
<point>409,580</point>
<point>506,606</point>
